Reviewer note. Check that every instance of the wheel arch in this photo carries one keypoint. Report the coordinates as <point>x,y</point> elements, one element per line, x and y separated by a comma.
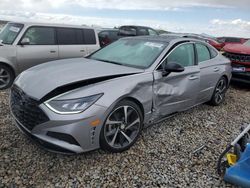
<point>137,102</point>
<point>10,66</point>
<point>227,79</point>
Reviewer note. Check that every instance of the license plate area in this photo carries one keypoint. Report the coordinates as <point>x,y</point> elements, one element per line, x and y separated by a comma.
<point>239,69</point>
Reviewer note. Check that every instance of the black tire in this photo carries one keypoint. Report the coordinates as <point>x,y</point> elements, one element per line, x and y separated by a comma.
<point>7,76</point>
<point>135,112</point>
<point>221,92</point>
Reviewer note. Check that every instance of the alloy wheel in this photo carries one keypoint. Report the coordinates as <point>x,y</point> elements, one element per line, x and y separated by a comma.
<point>4,78</point>
<point>220,91</point>
<point>122,127</point>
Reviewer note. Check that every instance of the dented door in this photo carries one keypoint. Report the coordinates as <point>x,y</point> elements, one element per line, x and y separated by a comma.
<point>175,92</point>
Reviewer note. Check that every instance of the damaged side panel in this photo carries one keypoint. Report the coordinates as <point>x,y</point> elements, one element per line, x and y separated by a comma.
<point>175,92</point>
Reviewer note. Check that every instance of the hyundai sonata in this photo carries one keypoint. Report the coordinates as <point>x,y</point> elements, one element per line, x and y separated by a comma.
<point>105,100</point>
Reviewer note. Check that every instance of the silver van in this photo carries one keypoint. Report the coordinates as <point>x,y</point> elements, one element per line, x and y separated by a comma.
<point>23,45</point>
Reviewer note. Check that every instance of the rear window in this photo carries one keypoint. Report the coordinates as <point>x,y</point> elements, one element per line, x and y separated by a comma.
<point>213,53</point>
<point>233,40</point>
<point>89,36</point>
<point>71,36</point>
<point>67,36</point>
<point>202,53</point>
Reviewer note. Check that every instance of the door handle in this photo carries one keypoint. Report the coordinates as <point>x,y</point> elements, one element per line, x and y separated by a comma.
<point>52,51</point>
<point>82,50</point>
<point>193,77</point>
<point>216,69</point>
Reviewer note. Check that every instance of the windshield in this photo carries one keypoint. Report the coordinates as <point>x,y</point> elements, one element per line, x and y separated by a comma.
<point>247,43</point>
<point>130,52</point>
<point>10,32</point>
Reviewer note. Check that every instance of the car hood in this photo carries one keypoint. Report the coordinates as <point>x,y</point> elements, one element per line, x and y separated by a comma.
<point>45,78</point>
<point>237,48</point>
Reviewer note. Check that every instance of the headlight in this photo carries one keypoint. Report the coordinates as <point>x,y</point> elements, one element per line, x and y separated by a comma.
<point>72,106</point>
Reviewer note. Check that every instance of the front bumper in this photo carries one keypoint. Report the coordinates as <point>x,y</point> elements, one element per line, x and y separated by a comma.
<point>67,134</point>
<point>243,77</point>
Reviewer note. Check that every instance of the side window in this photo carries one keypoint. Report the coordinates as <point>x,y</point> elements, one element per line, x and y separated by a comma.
<point>89,36</point>
<point>41,35</point>
<point>142,31</point>
<point>66,36</point>
<point>213,53</point>
<point>79,36</point>
<point>183,55</point>
<point>114,35</point>
<point>203,53</point>
<point>152,32</point>
<point>103,34</point>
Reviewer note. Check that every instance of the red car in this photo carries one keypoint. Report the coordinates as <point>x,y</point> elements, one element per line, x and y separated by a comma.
<point>215,43</point>
<point>239,54</point>
<point>231,40</point>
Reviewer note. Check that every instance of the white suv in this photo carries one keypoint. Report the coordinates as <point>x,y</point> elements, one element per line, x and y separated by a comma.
<point>23,45</point>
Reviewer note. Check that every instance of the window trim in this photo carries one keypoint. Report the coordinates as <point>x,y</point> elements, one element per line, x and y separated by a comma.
<point>172,49</point>
<point>55,36</point>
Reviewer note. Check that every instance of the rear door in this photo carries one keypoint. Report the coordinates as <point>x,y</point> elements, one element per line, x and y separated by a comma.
<point>42,47</point>
<point>210,71</point>
<point>177,91</point>
<point>90,40</point>
<point>70,43</point>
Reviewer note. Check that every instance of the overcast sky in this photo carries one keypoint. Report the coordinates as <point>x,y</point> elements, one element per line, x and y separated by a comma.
<point>224,17</point>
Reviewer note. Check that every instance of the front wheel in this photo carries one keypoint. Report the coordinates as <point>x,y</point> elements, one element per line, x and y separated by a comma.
<point>6,77</point>
<point>219,92</point>
<point>122,127</point>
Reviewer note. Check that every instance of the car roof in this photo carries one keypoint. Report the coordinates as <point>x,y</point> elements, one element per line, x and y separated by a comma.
<point>136,26</point>
<point>51,25</point>
<point>162,38</point>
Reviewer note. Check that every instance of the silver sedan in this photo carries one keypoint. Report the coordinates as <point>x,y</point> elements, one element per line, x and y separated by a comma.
<point>106,99</point>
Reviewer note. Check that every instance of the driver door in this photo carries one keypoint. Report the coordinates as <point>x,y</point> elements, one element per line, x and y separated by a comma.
<point>176,91</point>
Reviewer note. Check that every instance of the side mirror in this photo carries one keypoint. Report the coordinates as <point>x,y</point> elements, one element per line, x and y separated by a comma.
<point>25,41</point>
<point>173,67</point>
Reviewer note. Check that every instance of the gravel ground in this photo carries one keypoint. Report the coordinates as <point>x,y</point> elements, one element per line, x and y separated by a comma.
<point>162,157</point>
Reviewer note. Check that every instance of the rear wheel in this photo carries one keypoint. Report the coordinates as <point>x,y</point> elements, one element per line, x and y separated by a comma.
<point>6,76</point>
<point>122,127</point>
<point>219,92</point>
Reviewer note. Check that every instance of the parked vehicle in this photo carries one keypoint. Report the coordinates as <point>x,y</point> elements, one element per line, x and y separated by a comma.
<point>213,42</point>
<point>24,45</point>
<point>105,99</point>
<point>239,54</point>
<point>131,30</point>
<point>108,36</point>
<point>230,40</point>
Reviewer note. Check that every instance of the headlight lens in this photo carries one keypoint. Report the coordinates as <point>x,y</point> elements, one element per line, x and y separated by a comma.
<point>72,106</point>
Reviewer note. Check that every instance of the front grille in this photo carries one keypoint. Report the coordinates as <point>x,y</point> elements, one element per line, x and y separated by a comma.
<point>237,57</point>
<point>25,109</point>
